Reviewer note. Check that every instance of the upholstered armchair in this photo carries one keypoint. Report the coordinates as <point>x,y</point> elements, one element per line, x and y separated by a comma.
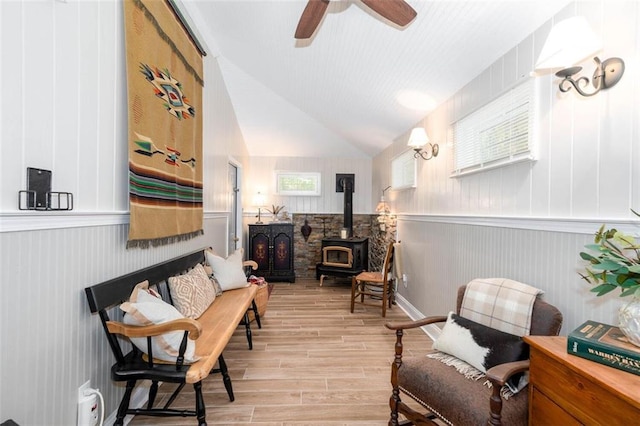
<point>446,394</point>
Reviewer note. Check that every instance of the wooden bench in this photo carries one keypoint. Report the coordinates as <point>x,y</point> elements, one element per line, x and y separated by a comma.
<point>211,331</point>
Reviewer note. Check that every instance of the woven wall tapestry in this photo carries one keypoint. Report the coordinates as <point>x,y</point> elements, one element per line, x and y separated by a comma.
<point>164,78</point>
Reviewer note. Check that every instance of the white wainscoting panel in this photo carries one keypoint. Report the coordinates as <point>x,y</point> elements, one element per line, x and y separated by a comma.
<point>51,343</point>
<point>439,257</point>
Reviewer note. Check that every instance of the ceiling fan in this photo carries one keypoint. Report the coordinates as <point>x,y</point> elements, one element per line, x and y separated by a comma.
<point>396,11</point>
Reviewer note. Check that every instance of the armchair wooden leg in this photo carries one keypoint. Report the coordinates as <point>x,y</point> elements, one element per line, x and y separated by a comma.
<point>394,400</point>
<point>495,405</point>
<point>393,404</point>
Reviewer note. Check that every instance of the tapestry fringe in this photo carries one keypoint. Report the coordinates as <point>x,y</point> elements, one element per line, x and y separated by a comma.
<point>168,40</point>
<point>157,242</point>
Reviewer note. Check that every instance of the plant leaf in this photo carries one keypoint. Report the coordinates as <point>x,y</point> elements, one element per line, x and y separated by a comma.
<point>609,265</point>
<point>596,247</point>
<point>629,282</point>
<point>603,289</point>
<point>629,291</point>
<point>587,256</point>
<point>599,234</point>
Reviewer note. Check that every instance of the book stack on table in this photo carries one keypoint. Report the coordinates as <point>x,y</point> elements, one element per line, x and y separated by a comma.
<point>605,344</point>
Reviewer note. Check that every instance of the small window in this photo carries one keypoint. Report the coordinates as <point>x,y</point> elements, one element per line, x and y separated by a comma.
<point>403,171</point>
<point>497,134</point>
<point>297,183</point>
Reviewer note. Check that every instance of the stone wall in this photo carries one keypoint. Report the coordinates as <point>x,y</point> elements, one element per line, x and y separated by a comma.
<point>308,253</point>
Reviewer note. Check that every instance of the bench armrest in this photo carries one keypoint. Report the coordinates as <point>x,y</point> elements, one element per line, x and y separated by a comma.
<point>252,263</point>
<point>183,324</point>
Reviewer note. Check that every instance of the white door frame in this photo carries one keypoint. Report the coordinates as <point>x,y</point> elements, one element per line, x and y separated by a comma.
<point>238,219</point>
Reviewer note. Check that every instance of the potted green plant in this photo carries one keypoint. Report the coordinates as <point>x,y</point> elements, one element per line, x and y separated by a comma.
<point>614,263</point>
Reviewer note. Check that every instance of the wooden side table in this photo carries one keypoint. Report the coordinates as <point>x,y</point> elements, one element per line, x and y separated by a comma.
<point>568,390</point>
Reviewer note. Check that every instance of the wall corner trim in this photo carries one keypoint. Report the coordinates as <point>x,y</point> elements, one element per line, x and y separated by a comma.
<point>553,224</point>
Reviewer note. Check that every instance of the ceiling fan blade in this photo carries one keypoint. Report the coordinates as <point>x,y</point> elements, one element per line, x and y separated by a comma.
<point>397,11</point>
<point>311,17</point>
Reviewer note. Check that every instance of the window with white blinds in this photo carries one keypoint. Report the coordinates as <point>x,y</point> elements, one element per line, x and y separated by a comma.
<point>498,133</point>
<point>403,171</point>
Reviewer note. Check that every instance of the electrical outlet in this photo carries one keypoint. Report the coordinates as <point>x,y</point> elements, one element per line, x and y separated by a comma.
<point>404,280</point>
<point>87,405</point>
<point>81,389</point>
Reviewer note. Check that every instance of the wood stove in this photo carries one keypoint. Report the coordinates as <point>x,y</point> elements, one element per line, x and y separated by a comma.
<point>343,257</point>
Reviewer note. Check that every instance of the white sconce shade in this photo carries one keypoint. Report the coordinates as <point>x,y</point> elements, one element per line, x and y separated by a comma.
<point>418,138</point>
<point>569,42</point>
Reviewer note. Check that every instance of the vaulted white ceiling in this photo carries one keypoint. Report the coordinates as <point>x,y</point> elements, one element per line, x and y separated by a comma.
<point>339,93</point>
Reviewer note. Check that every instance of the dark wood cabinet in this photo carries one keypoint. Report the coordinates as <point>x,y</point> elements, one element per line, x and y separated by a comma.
<point>271,247</point>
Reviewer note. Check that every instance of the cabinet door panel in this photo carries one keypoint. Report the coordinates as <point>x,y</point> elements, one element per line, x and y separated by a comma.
<point>282,259</point>
<point>260,251</point>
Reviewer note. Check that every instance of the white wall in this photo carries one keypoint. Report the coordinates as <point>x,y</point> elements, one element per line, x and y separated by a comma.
<point>63,108</point>
<point>60,65</point>
<point>261,178</point>
<point>587,172</point>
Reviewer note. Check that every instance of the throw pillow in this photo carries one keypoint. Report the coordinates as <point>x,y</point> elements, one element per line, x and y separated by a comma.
<point>144,308</point>
<point>192,293</point>
<point>478,345</point>
<point>214,282</point>
<point>228,272</point>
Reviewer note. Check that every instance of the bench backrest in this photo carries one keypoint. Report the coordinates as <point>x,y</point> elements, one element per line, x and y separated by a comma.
<point>102,297</point>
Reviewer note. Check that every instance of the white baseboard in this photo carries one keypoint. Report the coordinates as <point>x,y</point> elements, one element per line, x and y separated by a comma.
<point>431,330</point>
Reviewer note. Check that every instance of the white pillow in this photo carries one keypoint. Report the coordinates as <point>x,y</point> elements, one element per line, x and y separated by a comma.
<point>481,346</point>
<point>228,272</point>
<point>144,308</point>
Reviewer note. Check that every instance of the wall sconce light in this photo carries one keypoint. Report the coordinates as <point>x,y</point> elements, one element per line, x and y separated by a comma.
<point>383,211</point>
<point>570,42</point>
<point>259,201</point>
<point>419,142</point>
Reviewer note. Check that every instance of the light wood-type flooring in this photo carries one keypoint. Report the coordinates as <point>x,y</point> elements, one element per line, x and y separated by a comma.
<point>313,363</point>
